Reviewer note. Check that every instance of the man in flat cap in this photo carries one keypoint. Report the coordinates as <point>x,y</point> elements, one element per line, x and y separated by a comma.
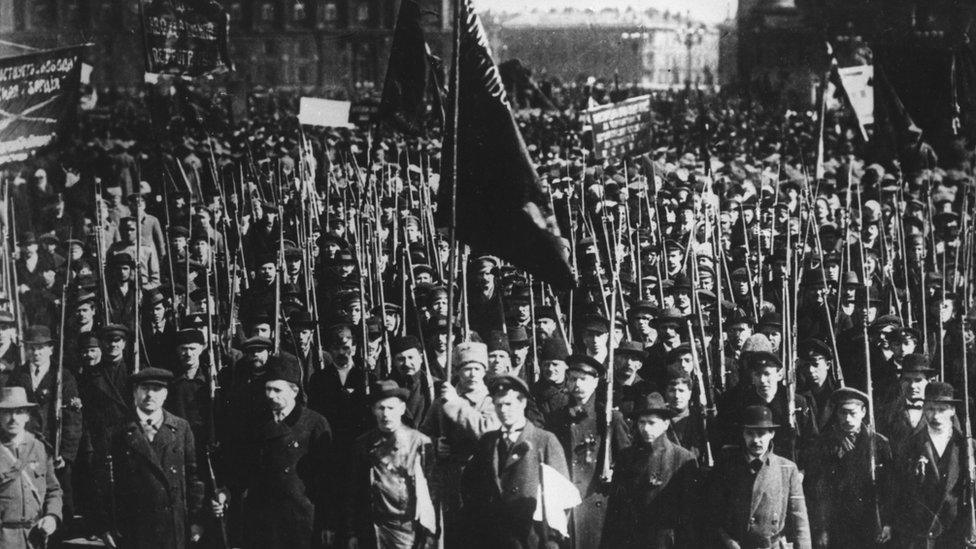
<point>654,485</point>
<point>386,497</point>
<point>501,481</point>
<point>755,497</point>
<point>104,388</point>
<point>411,372</point>
<point>485,308</point>
<point>816,368</point>
<point>189,393</point>
<point>581,431</point>
<point>931,508</point>
<point>285,470</point>
<point>845,501</point>
<point>151,494</point>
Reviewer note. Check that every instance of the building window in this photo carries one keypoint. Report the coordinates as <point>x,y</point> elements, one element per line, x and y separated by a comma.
<point>298,13</point>
<point>330,12</point>
<point>267,12</point>
<point>236,12</point>
<point>362,13</point>
<point>270,47</point>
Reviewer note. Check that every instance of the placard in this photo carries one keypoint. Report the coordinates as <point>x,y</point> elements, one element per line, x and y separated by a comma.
<point>621,128</point>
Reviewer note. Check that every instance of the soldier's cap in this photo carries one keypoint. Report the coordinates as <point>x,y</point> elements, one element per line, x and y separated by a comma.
<point>485,264</point>
<point>916,363</point>
<point>387,308</point>
<point>595,323</point>
<point>652,405</point>
<point>344,257</point>
<point>14,398</point>
<point>385,389</point>
<point>885,324</point>
<point>178,231</point>
<point>154,298</point>
<point>404,343</point>
<point>770,320</point>
<point>49,238</point>
<point>508,382</point>
<point>301,320</point>
<point>88,341</point>
<point>764,359</point>
<point>631,349</point>
<point>121,259</point>
<point>38,335</point>
<point>111,331</point>
<point>74,242</point>
<point>845,394</point>
<point>545,311</point>
<point>471,352</point>
<point>758,417</point>
<point>189,336</point>
<point>284,370</point>
<point>498,341</point>
<point>740,274</point>
<point>151,376</point>
<point>814,346</point>
<point>674,355</point>
<point>256,344</point>
<point>585,364</point>
<point>941,392</point>
<point>293,254</point>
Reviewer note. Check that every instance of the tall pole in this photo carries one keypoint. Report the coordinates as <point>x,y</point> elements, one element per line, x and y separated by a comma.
<point>455,158</point>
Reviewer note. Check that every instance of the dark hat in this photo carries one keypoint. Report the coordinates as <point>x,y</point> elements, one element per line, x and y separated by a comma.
<point>151,376</point>
<point>87,341</point>
<point>939,391</point>
<point>770,320</point>
<point>284,370</point>
<point>385,389</point>
<point>674,354</point>
<point>670,317</point>
<point>155,297</point>
<point>916,363</point>
<point>518,336</point>
<point>652,404</point>
<point>763,359</point>
<point>641,308</point>
<point>256,343</point>
<point>498,341</point>
<point>111,330</point>
<point>844,394</point>
<point>121,259</point>
<point>179,231</point>
<point>675,372</point>
<point>758,417</point>
<point>812,345</point>
<point>553,348</point>
<point>38,335</point>
<point>595,323</point>
<point>585,364</point>
<point>404,343</point>
<point>508,382</point>
<point>189,336</point>
<point>631,349</point>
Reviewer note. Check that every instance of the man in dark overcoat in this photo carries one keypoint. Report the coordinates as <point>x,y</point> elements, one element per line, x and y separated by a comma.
<point>844,502</point>
<point>151,495</point>
<point>285,470</point>
<point>501,481</point>
<point>653,491</point>
<point>581,431</point>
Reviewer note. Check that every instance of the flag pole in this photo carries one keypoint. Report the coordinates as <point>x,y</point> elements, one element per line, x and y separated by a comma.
<point>452,229</point>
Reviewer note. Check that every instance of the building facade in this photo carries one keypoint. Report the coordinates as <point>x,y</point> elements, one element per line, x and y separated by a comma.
<point>324,44</point>
<point>653,48</point>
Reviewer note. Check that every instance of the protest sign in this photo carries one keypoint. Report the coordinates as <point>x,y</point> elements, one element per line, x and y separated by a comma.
<point>621,128</point>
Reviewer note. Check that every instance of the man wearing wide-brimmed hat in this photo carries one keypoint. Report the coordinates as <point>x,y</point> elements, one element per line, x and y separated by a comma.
<point>30,495</point>
<point>755,496</point>
<point>386,497</point>
<point>931,507</point>
<point>651,497</point>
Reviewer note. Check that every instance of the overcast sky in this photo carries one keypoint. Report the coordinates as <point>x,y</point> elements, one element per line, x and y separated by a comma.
<point>711,11</point>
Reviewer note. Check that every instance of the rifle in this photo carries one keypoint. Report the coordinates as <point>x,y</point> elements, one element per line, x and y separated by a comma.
<point>18,318</point>
<point>212,385</point>
<point>970,482</point>
<point>59,377</point>
<point>706,395</point>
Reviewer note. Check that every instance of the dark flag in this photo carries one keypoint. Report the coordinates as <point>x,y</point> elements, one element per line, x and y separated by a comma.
<point>38,97</point>
<point>501,208</point>
<point>895,133</point>
<point>409,74</point>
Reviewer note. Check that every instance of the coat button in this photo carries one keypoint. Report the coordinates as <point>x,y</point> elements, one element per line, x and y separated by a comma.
<point>287,469</point>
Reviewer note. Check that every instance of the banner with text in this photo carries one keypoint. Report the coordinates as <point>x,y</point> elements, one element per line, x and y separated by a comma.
<point>621,128</point>
<point>185,37</point>
<point>859,84</point>
<point>38,92</point>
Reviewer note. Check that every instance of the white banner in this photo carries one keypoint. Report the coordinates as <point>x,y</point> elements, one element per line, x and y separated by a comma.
<point>859,84</point>
<point>324,112</point>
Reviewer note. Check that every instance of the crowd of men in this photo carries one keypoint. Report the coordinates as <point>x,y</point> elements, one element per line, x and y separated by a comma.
<point>244,337</point>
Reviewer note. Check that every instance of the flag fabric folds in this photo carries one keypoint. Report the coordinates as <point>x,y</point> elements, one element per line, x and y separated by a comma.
<point>410,74</point>
<point>501,208</point>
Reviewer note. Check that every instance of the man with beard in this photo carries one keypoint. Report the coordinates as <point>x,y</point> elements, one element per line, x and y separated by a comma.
<point>579,428</point>
<point>844,497</point>
<point>652,497</point>
<point>755,497</point>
